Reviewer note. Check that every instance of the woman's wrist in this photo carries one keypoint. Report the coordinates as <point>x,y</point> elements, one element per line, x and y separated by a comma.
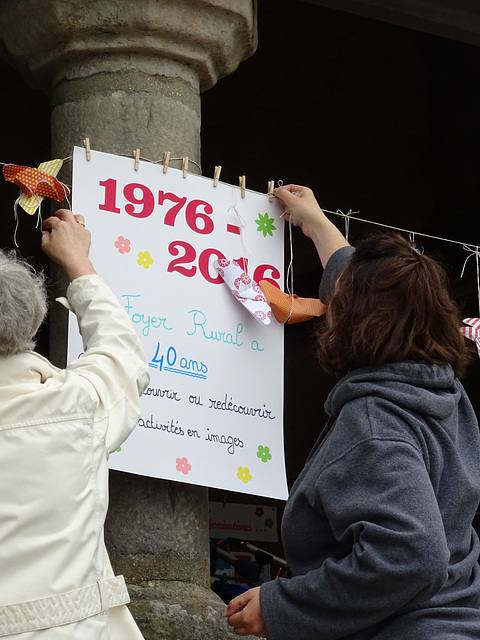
<point>83,267</point>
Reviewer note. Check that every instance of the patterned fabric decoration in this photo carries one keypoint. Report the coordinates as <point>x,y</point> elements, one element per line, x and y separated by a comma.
<point>291,309</point>
<point>36,184</point>
<point>245,290</point>
<point>473,331</point>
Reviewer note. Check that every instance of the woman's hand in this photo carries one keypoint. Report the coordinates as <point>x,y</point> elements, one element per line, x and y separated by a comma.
<point>301,207</point>
<point>66,241</point>
<point>303,210</point>
<point>244,614</point>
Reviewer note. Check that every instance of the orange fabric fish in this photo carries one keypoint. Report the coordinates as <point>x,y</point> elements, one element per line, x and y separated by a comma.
<point>290,309</point>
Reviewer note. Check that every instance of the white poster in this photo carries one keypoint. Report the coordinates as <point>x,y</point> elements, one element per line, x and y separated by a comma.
<point>213,412</point>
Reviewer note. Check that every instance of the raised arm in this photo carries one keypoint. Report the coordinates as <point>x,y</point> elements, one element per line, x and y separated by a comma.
<point>113,365</point>
<point>304,211</point>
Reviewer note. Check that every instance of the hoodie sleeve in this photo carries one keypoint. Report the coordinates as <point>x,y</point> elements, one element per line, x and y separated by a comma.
<point>114,362</point>
<point>333,269</point>
<point>388,541</point>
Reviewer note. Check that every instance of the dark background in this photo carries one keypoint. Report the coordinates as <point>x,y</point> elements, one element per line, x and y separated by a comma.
<point>374,118</point>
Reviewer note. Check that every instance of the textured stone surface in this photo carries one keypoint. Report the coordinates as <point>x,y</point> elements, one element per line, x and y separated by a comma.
<point>164,613</point>
<point>157,530</point>
<point>46,38</point>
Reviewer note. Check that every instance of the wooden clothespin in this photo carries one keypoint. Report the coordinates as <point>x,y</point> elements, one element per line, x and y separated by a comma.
<point>166,160</point>
<point>136,156</point>
<point>86,144</point>
<point>185,166</point>
<point>271,185</point>
<point>242,180</point>
<point>216,175</point>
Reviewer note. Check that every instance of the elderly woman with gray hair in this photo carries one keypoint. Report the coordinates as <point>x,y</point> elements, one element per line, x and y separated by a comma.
<point>23,304</point>
<point>57,429</point>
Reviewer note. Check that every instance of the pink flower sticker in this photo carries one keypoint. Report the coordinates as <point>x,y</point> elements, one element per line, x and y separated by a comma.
<point>122,244</point>
<point>183,465</point>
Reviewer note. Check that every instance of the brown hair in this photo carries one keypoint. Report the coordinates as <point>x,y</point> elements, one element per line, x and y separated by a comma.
<point>391,304</point>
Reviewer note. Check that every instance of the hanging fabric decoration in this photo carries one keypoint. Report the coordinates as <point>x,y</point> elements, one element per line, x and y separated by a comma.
<point>473,331</point>
<point>244,289</point>
<point>36,184</point>
<point>290,308</point>
<point>263,299</point>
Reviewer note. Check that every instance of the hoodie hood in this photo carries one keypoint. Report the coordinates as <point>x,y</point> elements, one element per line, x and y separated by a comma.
<point>431,390</point>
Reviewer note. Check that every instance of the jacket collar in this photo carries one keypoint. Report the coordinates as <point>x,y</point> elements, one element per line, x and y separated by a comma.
<point>27,367</point>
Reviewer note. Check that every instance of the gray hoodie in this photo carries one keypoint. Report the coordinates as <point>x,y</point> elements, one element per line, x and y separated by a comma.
<point>377,529</point>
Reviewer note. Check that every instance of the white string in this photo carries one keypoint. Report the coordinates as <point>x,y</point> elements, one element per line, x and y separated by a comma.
<point>474,251</point>
<point>346,217</point>
<point>15,215</point>
<point>387,226</point>
<point>161,161</point>
<point>39,215</point>
<point>241,221</point>
<point>289,274</point>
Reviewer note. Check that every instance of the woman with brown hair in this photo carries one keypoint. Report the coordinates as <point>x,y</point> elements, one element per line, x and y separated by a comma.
<point>378,526</point>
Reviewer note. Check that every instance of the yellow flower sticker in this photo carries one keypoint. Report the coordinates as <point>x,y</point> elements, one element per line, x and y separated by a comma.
<point>244,474</point>
<point>144,259</point>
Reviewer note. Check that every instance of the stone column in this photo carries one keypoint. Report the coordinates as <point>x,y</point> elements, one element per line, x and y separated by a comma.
<point>128,74</point>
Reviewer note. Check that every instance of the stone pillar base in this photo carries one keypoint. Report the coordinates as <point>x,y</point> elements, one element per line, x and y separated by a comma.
<point>178,611</point>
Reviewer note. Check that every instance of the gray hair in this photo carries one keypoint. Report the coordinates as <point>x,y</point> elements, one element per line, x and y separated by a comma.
<point>23,303</point>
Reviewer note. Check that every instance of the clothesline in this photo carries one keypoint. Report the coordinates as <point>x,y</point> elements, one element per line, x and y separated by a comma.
<point>350,216</point>
<point>472,248</point>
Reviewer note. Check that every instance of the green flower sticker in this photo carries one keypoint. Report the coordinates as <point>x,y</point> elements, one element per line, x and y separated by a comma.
<point>264,454</point>
<point>244,474</point>
<point>269,523</point>
<point>144,259</point>
<point>265,225</point>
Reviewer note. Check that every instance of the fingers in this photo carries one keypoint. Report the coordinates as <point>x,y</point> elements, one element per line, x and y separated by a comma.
<point>244,614</point>
<point>242,631</point>
<point>289,187</point>
<point>290,191</point>
<point>64,215</point>
<point>236,605</point>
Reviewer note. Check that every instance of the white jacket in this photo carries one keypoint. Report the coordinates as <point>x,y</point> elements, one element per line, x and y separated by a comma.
<point>57,429</point>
